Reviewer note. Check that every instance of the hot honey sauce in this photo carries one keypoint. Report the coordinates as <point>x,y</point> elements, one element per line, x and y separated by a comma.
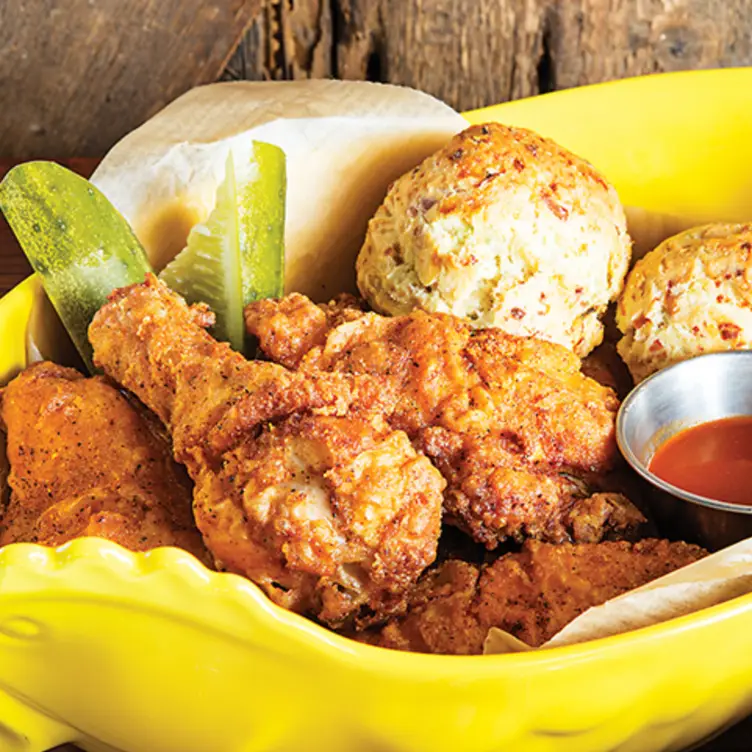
<point>712,459</point>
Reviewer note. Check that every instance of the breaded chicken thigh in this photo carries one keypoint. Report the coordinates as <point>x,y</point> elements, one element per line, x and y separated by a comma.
<point>85,461</point>
<point>518,432</point>
<point>300,484</point>
<point>532,594</point>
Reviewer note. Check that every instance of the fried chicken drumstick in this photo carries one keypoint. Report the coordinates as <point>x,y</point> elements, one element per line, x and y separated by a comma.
<point>85,461</point>
<point>532,594</point>
<point>300,484</point>
<point>518,432</point>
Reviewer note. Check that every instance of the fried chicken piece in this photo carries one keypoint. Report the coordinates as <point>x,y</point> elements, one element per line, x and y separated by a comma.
<point>300,484</point>
<point>532,594</point>
<point>605,366</point>
<point>519,433</point>
<point>84,461</point>
<point>291,326</point>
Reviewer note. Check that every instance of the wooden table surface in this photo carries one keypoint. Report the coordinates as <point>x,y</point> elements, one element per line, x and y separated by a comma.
<point>14,267</point>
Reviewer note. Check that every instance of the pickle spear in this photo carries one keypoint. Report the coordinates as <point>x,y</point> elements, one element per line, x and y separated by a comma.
<point>237,255</point>
<point>262,224</point>
<point>208,270</point>
<point>78,243</point>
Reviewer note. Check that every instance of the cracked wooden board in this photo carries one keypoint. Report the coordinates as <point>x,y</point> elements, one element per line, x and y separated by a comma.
<point>81,74</point>
<point>472,53</point>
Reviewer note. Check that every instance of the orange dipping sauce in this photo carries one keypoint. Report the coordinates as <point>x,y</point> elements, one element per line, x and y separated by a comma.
<point>712,459</point>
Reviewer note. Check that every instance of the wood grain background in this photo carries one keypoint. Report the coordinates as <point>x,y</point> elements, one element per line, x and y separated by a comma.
<point>76,75</point>
<point>472,53</point>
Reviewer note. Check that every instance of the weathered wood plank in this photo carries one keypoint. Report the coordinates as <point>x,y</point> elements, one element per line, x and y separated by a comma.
<point>68,64</point>
<point>287,40</point>
<point>600,40</point>
<point>472,53</point>
<point>76,75</point>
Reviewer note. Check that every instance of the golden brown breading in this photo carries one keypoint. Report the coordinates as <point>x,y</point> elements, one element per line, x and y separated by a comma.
<point>532,594</point>
<point>300,484</point>
<point>513,425</point>
<point>606,367</point>
<point>290,327</point>
<point>85,462</point>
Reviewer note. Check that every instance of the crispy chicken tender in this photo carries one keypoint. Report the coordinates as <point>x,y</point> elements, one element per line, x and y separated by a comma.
<point>532,594</point>
<point>300,483</point>
<point>84,461</point>
<point>512,424</point>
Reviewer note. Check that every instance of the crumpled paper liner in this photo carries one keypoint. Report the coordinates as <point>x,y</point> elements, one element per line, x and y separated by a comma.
<point>344,143</point>
<point>715,579</point>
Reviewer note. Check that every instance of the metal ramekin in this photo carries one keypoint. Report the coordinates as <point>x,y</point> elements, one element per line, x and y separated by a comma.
<point>707,387</point>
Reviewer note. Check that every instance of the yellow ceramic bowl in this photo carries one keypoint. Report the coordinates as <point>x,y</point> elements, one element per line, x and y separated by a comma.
<point>153,653</point>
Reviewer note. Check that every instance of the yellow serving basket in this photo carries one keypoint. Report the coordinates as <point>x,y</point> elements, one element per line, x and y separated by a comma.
<point>154,653</point>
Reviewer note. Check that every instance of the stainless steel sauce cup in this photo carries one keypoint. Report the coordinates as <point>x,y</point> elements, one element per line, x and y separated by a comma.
<point>704,388</point>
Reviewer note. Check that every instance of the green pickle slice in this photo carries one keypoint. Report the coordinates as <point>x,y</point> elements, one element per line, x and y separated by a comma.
<point>78,243</point>
<point>262,225</point>
<point>82,248</point>
<point>208,269</point>
<point>237,255</point>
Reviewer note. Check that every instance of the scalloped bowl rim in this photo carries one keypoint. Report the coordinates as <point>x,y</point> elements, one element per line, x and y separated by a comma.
<point>92,551</point>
